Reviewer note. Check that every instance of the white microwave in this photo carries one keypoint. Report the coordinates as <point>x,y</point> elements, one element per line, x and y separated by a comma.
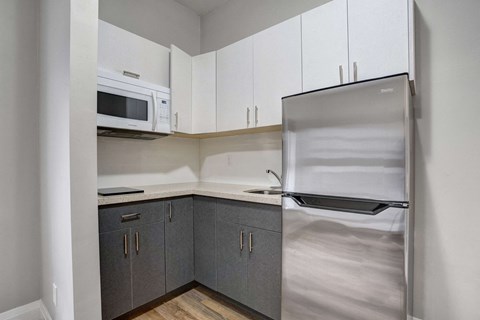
<point>131,108</point>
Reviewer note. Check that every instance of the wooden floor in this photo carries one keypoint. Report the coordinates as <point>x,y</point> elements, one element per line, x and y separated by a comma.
<point>196,304</point>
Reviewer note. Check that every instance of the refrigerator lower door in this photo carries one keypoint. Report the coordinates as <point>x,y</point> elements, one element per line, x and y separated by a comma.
<point>342,265</point>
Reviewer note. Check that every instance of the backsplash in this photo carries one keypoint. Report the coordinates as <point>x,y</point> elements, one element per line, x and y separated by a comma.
<point>125,162</point>
<point>241,159</point>
<point>238,160</point>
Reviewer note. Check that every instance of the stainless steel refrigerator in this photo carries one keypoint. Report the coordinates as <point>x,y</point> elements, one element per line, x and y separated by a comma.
<point>348,202</point>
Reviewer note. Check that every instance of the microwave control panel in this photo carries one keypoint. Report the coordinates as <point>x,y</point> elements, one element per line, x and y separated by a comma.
<point>163,110</point>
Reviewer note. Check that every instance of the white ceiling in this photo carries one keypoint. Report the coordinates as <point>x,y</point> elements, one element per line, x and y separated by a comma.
<point>202,7</point>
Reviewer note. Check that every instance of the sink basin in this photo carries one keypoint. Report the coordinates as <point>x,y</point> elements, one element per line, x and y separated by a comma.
<point>264,191</point>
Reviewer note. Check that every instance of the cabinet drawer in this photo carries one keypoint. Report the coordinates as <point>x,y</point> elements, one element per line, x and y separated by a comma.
<point>256,215</point>
<point>125,216</point>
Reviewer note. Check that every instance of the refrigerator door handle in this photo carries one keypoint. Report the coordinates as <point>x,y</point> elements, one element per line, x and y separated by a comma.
<point>352,205</point>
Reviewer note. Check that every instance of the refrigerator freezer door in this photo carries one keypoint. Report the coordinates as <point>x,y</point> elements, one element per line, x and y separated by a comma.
<point>340,265</point>
<point>349,141</point>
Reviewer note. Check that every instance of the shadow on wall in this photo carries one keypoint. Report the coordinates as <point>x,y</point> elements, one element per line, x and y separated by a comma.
<point>20,277</point>
<point>127,162</point>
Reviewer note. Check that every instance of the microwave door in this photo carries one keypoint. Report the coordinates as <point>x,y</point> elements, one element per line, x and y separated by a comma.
<point>125,109</point>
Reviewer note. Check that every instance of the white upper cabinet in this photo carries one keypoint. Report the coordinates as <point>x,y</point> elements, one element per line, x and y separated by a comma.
<point>204,98</point>
<point>277,60</point>
<point>235,86</point>
<point>325,46</point>
<point>181,90</point>
<point>120,50</point>
<point>241,86</point>
<point>378,38</point>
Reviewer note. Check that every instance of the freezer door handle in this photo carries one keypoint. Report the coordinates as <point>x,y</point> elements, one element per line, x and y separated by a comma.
<point>353,205</point>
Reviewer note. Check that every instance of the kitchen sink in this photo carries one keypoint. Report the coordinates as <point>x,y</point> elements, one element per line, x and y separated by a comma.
<point>264,191</point>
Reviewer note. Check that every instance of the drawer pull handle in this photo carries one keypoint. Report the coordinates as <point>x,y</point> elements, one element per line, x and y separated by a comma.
<point>125,245</point>
<point>131,217</point>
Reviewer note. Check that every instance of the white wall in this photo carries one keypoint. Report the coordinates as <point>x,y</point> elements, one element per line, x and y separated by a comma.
<point>241,159</point>
<point>238,19</point>
<point>83,159</point>
<point>19,195</point>
<point>55,157</point>
<point>70,255</point>
<point>162,21</point>
<point>125,162</point>
<point>447,254</point>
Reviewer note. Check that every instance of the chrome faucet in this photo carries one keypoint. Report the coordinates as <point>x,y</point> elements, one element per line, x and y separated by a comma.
<point>279,178</point>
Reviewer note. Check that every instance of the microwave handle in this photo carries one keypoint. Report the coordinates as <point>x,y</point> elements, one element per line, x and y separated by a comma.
<point>154,122</point>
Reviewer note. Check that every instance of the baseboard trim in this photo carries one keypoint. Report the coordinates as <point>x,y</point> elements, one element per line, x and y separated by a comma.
<point>31,311</point>
<point>44,311</point>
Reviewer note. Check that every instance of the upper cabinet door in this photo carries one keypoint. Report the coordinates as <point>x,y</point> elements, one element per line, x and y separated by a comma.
<point>325,46</point>
<point>277,70</point>
<point>204,93</point>
<point>181,90</point>
<point>378,38</point>
<point>120,50</point>
<point>235,86</point>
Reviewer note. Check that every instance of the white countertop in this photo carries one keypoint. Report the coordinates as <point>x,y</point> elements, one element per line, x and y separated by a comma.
<point>216,190</point>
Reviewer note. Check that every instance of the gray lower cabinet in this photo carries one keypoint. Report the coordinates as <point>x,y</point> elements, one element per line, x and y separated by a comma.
<point>179,255</point>
<point>249,252</point>
<point>231,261</point>
<point>264,276</point>
<point>115,274</point>
<point>132,256</point>
<point>204,216</point>
<point>148,267</point>
<point>151,248</point>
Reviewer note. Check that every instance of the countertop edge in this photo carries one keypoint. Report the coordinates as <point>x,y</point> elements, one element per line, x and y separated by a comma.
<point>138,197</point>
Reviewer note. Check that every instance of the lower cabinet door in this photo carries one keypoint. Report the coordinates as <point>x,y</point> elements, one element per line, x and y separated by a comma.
<point>231,260</point>
<point>115,273</point>
<point>204,213</point>
<point>179,243</point>
<point>148,263</point>
<point>264,276</point>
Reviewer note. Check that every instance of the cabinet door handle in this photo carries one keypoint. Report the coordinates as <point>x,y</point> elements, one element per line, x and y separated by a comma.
<point>248,117</point>
<point>340,71</point>
<point>250,242</point>
<point>355,71</point>
<point>170,212</point>
<point>256,116</point>
<point>241,240</point>
<point>176,120</point>
<point>137,242</point>
<point>131,74</point>
<point>125,245</point>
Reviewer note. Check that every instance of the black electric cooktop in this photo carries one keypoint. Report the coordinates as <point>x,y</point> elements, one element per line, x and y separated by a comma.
<point>117,191</point>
